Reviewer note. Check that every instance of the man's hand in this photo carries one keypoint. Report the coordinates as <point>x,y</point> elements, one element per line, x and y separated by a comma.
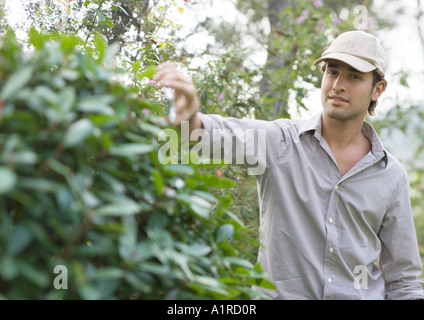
<point>185,96</point>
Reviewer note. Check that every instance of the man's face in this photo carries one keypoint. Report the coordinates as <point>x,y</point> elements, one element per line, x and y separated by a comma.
<point>346,92</point>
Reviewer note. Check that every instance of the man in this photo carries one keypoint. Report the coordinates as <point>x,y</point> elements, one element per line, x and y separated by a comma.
<point>335,214</point>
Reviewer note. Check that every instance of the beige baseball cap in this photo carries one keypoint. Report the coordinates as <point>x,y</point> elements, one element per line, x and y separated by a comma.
<point>359,49</point>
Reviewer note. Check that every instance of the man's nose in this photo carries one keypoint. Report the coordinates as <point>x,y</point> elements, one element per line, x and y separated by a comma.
<point>338,84</point>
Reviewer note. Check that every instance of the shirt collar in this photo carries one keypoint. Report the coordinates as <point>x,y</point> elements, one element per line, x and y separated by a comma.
<point>315,124</point>
<point>311,124</point>
<point>377,148</point>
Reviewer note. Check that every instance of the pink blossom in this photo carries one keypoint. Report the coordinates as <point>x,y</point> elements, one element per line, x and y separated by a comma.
<point>152,82</point>
<point>302,18</point>
<point>145,111</point>
<point>321,26</point>
<point>220,96</point>
<point>317,3</point>
<point>335,21</point>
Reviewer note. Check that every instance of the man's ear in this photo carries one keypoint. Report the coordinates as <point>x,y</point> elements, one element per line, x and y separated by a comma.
<point>378,90</point>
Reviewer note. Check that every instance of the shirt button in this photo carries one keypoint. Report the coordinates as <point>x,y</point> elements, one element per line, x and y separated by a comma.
<point>329,280</point>
<point>331,250</point>
<point>336,187</point>
<point>331,220</point>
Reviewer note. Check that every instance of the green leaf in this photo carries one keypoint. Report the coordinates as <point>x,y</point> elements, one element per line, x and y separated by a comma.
<point>8,180</point>
<point>158,181</point>
<point>8,268</point>
<point>115,184</point>
<point>101,16</point>
<point>69,42</point>
<point>131,149</point>
<point>266,284</point>
<point>108,273</point>
<point>36,38</point>
<point>196,249</point>
<point>150,16</point>
<point>147,127</point>
<point>210,284</point>
<point>97,104</point>
<point>214,181</point>
<point>178,169</point>
<point>90,292</point>
<point>39,184</point>
<point>225,232</point>
<point>158,221</point>
<point>148,72</point>
<point>19,240</point>
<point>33,274</point>
<point>122,206</point>
<point>144,251</point>
<point>109,23</point>
<point>140,281</point>
<point>128,238</point>
<point>239,262</point>
<point>69,74</point>
<point>99,41</point>
<point>16,82</point>
<point>200,206</point>
<point>67,99</point>
<point>23,157</point>
<point>78,132</point>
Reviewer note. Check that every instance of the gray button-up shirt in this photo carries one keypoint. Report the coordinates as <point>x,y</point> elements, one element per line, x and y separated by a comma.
<point>326,236</point>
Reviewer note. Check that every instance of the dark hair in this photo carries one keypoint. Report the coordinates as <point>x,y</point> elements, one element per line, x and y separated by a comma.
<point>377,76</point>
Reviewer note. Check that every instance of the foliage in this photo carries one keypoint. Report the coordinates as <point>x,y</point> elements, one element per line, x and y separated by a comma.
<point>227,86</point>
<point>82,187</point>
<point>138,26</point>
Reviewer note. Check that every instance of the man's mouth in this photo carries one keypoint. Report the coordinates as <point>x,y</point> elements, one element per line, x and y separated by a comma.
<point>338,99</point>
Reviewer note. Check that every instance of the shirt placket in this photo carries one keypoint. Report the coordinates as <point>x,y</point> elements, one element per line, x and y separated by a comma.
<point>330,256</point>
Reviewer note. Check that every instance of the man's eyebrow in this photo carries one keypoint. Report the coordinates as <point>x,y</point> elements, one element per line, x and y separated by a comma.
<point>332,65</point>
<point>350,68</point>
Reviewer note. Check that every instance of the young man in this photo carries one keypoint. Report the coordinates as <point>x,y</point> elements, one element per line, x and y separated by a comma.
<point>335,214</point>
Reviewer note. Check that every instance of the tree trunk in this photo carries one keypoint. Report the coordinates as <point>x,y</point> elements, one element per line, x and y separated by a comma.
<point>274,61</point>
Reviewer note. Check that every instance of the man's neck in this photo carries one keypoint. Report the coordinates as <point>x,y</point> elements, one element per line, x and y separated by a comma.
<point>346,141</point>
<point>340,134</point>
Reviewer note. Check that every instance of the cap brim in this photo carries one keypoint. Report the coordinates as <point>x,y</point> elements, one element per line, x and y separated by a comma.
<point>355,62</point>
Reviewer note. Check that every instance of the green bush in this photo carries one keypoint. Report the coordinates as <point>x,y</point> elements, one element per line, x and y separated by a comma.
<point>87,211</point>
